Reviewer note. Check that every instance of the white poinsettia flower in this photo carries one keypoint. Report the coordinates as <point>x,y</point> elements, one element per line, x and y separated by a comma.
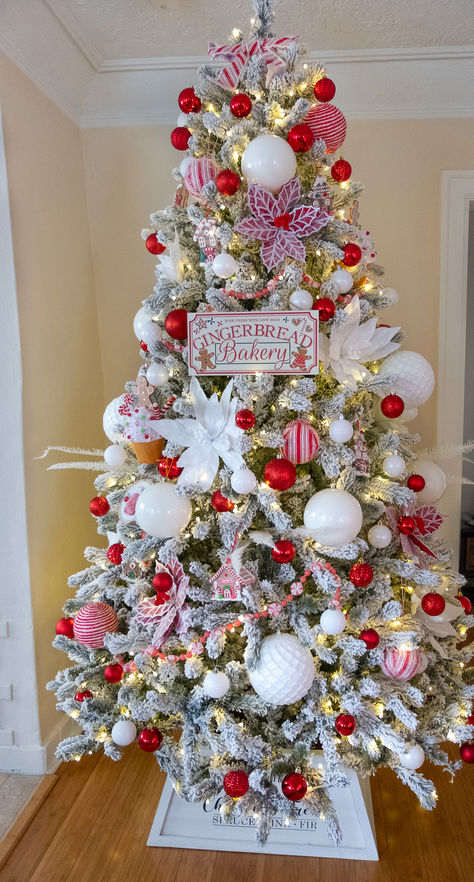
<point>171,265</point>
<point>208,437</point>
<point>351,345</point>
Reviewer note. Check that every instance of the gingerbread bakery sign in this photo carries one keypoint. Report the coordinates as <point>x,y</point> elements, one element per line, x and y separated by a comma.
<point>249,342</point>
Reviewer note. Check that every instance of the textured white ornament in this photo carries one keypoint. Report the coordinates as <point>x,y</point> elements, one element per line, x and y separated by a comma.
<point>341,431</point>
<point>380,536</point>
<point>184,164</point>
<point>224,265</point>
<point>161,512</point>
<point>301,299</point>
<point>411,374</point>
<point>216,684</point>
<point>413,757</point>
<point>145,329</point>
<point>113,421</point>
<point>435,480</point>
<point>115,455</point>
<point>333,621</point>
<point>285,669</point>
<point>243,481</point>
<point>157,374</point>
<point>333,516</point>
<point>394,465</point>
<point>342,280</point>
<point>269,161</point>
<point>124,732</point>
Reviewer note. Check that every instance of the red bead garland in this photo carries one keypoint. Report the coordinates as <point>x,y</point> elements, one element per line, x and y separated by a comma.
<point>294,786</point>
<point>64,627</point>
<point>180,137</point>
<point>115,552</point>
<point>168,468</point>
<point>352,254</point>
<point>300,138</point>
<point>176,324</point>
<point>326,308</point>
<point>150,739</point>
<point>361,575</point>
<point>240,105</point>
<point>345,724</point>
<point>433,604</point>
<point>221,503</point>
<point>236,783</point>
<point>245,419</point>
<point>280,474</point>
<point>188,101</point>
<point>416,483</point>
<point>227,182</point>
<point>392,406</point>
<point>99,506</point>
<point>341,170</point>
<point>324,89</point>
<point>153,246</point>
<point>113,673</point>
<point>284,551</point>
<point>370,637</point>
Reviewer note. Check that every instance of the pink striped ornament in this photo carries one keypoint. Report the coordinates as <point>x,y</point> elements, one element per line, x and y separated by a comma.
<point>401,664</point>
<point>326,121</point>
<point>93,622</point>
<point>301,442</point>
<point>199,173</point>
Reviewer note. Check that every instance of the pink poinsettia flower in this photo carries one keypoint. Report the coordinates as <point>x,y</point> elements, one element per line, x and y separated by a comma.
<point>428,520</point>
<point>166,616</point>
<point>279,222</point>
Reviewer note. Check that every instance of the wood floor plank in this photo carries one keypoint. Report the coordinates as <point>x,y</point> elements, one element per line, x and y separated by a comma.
<point>236,866</point>
<point>404,858</point>
<point>287,868</point>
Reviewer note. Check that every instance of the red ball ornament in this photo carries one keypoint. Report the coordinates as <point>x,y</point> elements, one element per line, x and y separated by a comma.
<point>433,604</point>
<point>93,622</point>
<point>150,739</point>
<point>361,575</point>
<point>113,673</point>
<point>416,483</point>
<point>220,503</point>
<point>467,752</point>
<point>324,90</point>
<point>279,474</point>
<point>300,138</point>
<point>245,419</point>
<point>99,506</point>
<point>153,246</point>
<point>345,724</point>
<point>81,696</point>
<point>65,627</point>
<point>240,105</point>
<point>180,137</point>
<point>392,406</point>
<point>370,638</point>
<point>176,324</point>
<point>466,603</point>
<point>162,582</point>
<point>188,101</point>
<point>406,525</point>
<point>470,720</point>
<point>236,783</point>
<point>227,182</point>
<point>294,786</point>
<point>326,308</point>
<point>168,468</point>
<point>143,346</point>
<point>114,553</point>
<point>352,254</point>
<point>284,551</point>
<point>341,170</point>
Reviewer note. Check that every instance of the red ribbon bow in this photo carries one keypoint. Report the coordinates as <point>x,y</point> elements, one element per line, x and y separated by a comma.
<point>238,54</point>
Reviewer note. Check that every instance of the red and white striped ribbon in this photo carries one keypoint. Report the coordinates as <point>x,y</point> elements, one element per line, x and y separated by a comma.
<point>238,54</point>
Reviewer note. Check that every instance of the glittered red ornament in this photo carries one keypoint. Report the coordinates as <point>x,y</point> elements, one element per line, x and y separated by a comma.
<point>245,419</point>
<point>167,467</point>
<point>153,246</point>
<point>81,696</point>
<point>345,724</point>
<point>180,137</point>
<point>176,324</point>
<point>433,604</point>
<point>236,783</point>
<point>326,308</point>
<point>324,89</point>
<point>466,603</point>
<point>220,503</point>
<point>150,739</point>
<point>162,582</point>
<point>240,105</point>
<point>341,170</point>
<point>467,752</point>
<point>227,182</point>
<point>284,551</point>
<point>279,474</point>
<point>416,482</point>
<point>294,786</point>
<point>113,673</point>
<point>188,101</point>
<point>392,406</point>
<point>470,720</point>
<point>65,627</point>
<point>361,575</point>
<point>300,138</point>
<point>370,638</point>
<point>99,506</point>
<point>406,525</point>
<point>352,254</point>
<point>114,553</point>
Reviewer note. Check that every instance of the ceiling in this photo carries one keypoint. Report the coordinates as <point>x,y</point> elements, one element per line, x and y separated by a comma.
<point>122,62</point>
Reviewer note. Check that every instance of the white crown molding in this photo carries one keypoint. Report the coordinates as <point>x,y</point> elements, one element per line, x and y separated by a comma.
<point>73,30</point>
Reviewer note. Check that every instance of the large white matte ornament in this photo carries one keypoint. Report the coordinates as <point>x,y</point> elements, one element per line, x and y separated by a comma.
<point>380,536</point>
<point>113,421</point>
<point>334,517</point>
<point>115,455</point>
<point>216,684</point>
<point>124,733</point>
<point>301,299</point>
<point>161,512</point>
<point>224,265</point>
<point>333,621</point>
<point>285,669</point>
<point>269,161</point>
<point>409,375</point>
<point>413,757</point>
<point>243,481</point>
<point>145,329</point>
<point>157,374</point>
<point>391,295</point>
<point>435,480</point>
<point>342,280</point>
<point>341,431</point>
<point>394,465</point>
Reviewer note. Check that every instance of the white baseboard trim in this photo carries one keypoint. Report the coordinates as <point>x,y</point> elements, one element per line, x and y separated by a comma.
<point>36,759</point>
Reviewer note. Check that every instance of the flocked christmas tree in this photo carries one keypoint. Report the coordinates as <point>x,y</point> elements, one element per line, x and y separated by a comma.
<point>273,581</point>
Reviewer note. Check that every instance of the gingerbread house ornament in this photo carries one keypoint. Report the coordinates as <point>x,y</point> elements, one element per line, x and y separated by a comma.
<point>361,461</point>
<point>227,583</point>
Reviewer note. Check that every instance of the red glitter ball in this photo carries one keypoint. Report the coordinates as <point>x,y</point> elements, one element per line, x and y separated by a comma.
<point>433,604</point>
<point>114,553</point>
<point>180,137</point>
<point>153,246</point>
<point>99,506</point>
<point>341,170</point>
<point>176,324</point>
<point>324,89</point>
<point>361,575</point>
<point>280,474</point>
<point>284,551</point>
<point>236,783</point>
<point>188,101</point>
<point>352,254</point>
<point>245,419</point>
<point>392,406</point>
<point>220,503</point>
<point>301,138</point>
<point>227,182</point>
<point>326,308</point>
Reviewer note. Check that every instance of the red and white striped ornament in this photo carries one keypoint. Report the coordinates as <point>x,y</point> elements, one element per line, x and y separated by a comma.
<point>326,121</point>
<point>93,622</point>
<point>401,664</point>
<point>199,173</point>
<point>301,442</point>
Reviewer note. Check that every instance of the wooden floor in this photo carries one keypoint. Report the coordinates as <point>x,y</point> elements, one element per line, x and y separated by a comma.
<point>94,824</point>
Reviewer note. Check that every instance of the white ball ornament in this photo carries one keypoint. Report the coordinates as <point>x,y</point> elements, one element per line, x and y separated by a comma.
<point>435,480</point>
<point>115,455</point>
<point>124,733</point>
<point>184,164</point>
<point>129,501</point>
<point>333,516</point>
<point>113,421</point>
<point>157,374</point>
<point>333,621</point>
<point>182,120</point>
<point>224,265</point>
<point>413,757</point>
<point>161,512</point>
<point>145,329</point>
<point>394,465</point>
<point>341,431</point>
<point>269,161</point>
<point>380,536</point>
<point>285,670</point>
<point>216,684</point>
<point>410,375</point>
<point>342,280</point>
<point>301,299</point>
<point>391,295</point>
<point>243,481</point>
